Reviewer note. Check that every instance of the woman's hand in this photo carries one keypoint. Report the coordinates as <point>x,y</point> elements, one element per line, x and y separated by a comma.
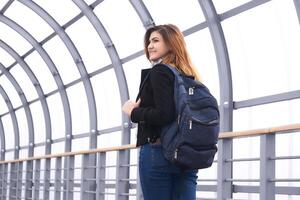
<point>129,106</point>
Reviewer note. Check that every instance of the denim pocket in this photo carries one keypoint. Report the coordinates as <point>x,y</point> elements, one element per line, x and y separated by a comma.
<point>157,158</point>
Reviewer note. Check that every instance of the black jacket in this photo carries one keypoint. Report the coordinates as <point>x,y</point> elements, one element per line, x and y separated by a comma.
<point>157,107</point>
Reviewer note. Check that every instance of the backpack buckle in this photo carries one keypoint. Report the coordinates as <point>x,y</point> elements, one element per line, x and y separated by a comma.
<point>191,90</point>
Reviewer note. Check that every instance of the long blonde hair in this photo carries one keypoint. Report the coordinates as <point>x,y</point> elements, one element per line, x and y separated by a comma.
<point>178,56</point>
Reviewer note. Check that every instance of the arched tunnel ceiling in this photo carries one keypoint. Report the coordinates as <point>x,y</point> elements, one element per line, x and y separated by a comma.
<point>67,66</point>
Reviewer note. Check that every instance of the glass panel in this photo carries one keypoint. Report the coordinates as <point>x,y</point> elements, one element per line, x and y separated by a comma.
<point>287,112</point>
<point>89,45</point>
<point>42,72</point>
<point>132,70</point>
<point>291,171</point>
<point>250,170</point>
<point>39,151</point>
<point>9,156</point>
<point>245,195</point>
<point>6,59</point>
<point>24,82</point>
<point>175,12</point>
<point>80,144</point>
<point>17,11</point>
<point>203,56</point>
<point>266,56</point>
<point>57,116</point>
<point>58,148</point>
<point>125,28</point>
<point>109,140</point>
<point>2,3</point>
<point>79,108</point>
<point>107,99</point>
<point>3,105</point>
<point>23,154</point>
<point>10,91</point>
<point>251,147</point>
<point>222,6</point>
<point>61,11</point>
<point>8,132</point>
<point>38,122</point>
<point>66,66</point>
<point>23,127</point>
<point>14,39</point>
<point>290,142</point>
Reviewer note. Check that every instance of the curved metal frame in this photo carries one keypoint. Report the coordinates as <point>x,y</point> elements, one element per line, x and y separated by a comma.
<point>226,99</point>
<point>52,68</point>
<point>14,121</point>
<point>36,84</point>
<point>25,104</point>
<point>78,61</point>
<point>2,141</point>
<point>123,157</point>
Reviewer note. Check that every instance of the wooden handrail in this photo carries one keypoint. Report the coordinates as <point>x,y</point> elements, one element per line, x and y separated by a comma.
<point>223,135</point>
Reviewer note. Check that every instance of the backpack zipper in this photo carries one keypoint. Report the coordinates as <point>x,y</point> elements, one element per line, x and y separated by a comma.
<point>211,122</point>
<point>175,155</point>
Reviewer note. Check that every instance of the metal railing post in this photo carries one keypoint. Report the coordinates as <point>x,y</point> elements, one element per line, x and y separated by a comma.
<point>267,166</point>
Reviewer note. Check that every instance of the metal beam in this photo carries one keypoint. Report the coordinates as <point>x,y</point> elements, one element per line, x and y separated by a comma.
<point>6,6</point>
<point>267,167</point>
<point>286,96</point>
<point>2,141</point>
<point>297,7</point>
<point>14,122</point>
<point>26,108</point>
<point>143,13</point>
<point>226,102</point>
<point>77,60</point>
<point>38,47</point>
<point>37,87</point>
<point>123,158</point>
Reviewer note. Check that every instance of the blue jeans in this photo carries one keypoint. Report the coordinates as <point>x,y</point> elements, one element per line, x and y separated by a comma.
<point>161,180</point>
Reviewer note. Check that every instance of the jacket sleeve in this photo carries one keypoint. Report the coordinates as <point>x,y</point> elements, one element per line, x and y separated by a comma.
<point>163,112</point>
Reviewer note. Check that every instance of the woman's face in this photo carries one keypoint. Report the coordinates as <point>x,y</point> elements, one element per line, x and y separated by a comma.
<point>157,47</point>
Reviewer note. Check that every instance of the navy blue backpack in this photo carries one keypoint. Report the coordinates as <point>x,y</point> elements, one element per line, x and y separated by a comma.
<point>190,141</point>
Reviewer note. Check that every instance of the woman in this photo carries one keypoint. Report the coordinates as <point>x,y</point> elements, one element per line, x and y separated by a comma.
<point>160,179</point>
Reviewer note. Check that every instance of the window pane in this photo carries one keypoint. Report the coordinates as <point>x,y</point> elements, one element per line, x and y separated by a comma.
<point>66,66</point>
<point>6,59</point>
<point>24,82</point>
<point>3,106</point>
<point>23,127</point>
<point>107,99</point>
<point>2,3</point>
<point>202,54</point>
<point>89,45</point>
<point>110,140</point>
<point>132,70</point>
<point>42,72</point>
<point>61,11</point>
<point>58,148</point>
<point>10,91</point>
<point>125,28</point>
<point>184,14</point>
<point>222,6</point>
<point>79,108</point>
<point>8,132</point>
<point>286,112</point>
<point>38,122</point>
<point>14,39</point>
<point>266,56</point>
<point>17,11</point>
<point>57,116</point>
<point>80,144</point>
